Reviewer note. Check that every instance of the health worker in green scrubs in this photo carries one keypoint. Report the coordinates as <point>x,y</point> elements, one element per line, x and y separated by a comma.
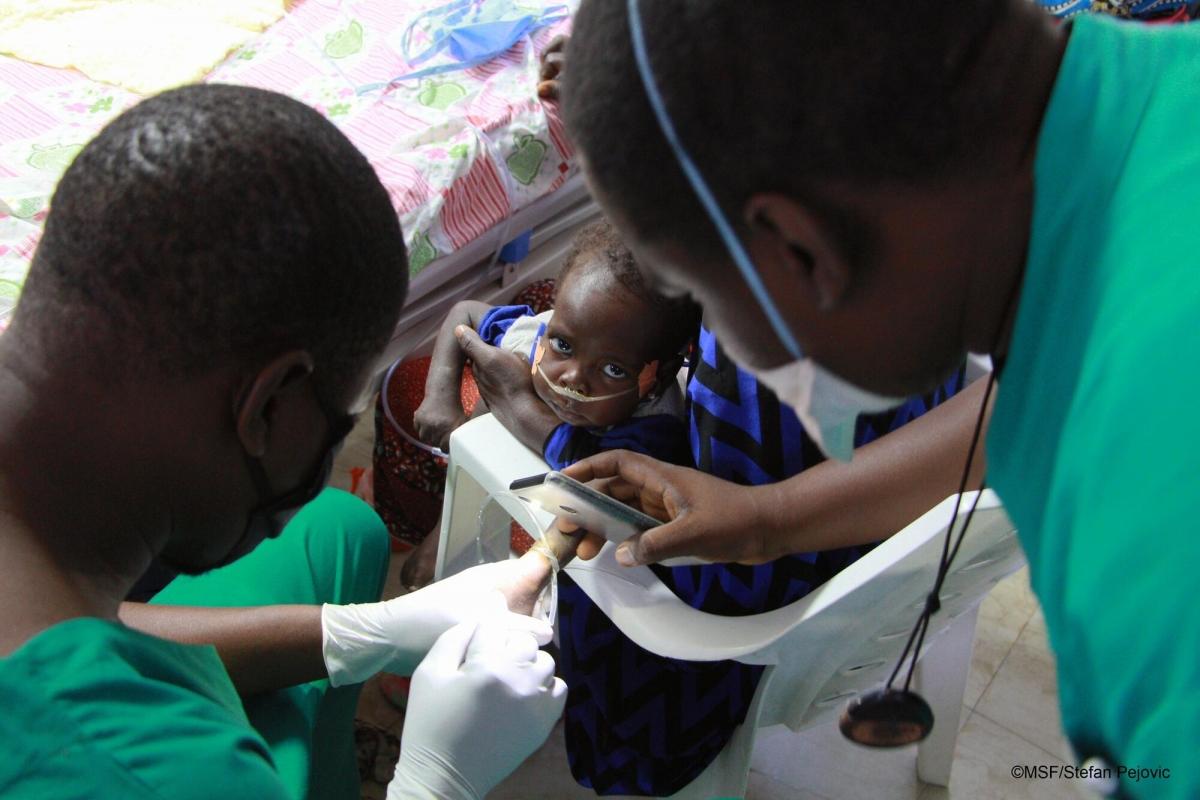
<point>219,272</point>
<point>860,193</point>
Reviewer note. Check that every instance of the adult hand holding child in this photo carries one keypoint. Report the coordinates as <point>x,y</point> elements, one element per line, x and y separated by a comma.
<point>505,385</point>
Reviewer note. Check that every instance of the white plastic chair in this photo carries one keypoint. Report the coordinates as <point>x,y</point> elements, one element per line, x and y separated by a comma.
<point>836,642</point>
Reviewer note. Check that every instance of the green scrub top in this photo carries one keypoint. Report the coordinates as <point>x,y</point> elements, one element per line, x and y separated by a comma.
<point>1093,445</point>
<point>95,710</point>
<point>91,709</point>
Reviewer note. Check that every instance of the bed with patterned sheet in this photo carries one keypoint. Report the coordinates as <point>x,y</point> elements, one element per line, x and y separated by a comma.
<point>470,157</point>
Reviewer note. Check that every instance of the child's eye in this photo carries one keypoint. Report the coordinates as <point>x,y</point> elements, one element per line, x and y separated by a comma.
<point>613,371</point>
<point>560,345</point>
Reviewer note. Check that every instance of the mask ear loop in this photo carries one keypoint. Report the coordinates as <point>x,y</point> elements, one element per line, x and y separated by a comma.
<point>737,251</point>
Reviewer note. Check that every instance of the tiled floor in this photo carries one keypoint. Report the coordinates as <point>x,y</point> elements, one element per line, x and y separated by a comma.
<point>1010,718</point>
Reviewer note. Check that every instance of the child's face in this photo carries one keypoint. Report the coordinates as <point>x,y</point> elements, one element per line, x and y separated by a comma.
<point>598,342</point>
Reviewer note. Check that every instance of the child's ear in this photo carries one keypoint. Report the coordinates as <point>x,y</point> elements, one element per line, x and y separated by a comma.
<point>668,369</point>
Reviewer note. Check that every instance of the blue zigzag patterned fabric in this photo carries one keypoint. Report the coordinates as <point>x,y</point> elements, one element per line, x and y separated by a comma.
<point>1138,9</point>
<point>641,724</point>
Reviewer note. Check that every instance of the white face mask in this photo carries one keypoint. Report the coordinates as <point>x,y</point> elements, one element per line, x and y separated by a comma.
<point>827,406</point>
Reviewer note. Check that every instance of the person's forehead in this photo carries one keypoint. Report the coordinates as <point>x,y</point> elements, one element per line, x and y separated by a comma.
<point>670,270</point>
<point>665,265</point>
<point>602,314</point>
<point>730,311</point>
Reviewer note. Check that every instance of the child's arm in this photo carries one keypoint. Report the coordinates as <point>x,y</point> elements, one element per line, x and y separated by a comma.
<point>504,382</point>
<point>441,411</point>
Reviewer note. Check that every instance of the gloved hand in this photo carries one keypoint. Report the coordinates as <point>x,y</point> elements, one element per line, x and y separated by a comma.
<point>359,640</point>
<point>481,702</point>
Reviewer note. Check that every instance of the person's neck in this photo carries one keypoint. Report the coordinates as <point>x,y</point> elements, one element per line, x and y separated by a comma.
<point>1024,52</point>
<point>70,505</point>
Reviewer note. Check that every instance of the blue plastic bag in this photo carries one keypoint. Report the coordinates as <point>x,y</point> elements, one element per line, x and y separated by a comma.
<point>464,33</point>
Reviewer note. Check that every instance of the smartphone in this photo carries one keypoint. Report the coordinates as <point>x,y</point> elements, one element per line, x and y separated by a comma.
<point>588,508</point>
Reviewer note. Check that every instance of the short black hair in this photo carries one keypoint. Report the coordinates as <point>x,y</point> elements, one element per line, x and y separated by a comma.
<point>600,243</point>
<point>775,96</point>
<point>216,224</point>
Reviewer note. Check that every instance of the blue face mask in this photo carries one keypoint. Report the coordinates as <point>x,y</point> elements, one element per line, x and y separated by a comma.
<point>827,406</point>
<point>464,33</point>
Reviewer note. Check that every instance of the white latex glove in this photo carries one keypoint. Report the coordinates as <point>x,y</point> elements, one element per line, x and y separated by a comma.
<point>481,702</point>
<point>359,640</point>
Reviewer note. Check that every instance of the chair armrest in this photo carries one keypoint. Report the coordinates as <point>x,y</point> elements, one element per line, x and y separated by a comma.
<point>654,618</point>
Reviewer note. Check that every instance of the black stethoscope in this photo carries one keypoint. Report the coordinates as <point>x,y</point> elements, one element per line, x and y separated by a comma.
<point>894,717</point>
<point>891,716</point>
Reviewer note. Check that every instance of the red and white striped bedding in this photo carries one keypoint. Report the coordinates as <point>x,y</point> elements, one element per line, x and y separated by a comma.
<point>458,152</point>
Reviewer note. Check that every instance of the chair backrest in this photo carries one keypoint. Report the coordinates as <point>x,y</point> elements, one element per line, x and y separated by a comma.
<point>841,639</point>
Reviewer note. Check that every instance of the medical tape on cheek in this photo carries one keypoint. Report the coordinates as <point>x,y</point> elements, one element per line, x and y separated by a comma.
<point>539,351</point>
<point>647,378</point>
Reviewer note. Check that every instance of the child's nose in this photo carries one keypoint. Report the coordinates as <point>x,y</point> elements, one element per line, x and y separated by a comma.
<point>572,377</point>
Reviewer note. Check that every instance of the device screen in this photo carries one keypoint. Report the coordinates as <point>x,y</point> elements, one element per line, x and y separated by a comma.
<point>586,507</point>
<point>526,483</point>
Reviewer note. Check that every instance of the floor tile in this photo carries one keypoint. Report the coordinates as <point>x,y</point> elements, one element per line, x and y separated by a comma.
<point>762,787</point>
<point>545,775</point>
<point>821,761</point>
<point>1023,697</point>
<point>983,764</point>
<point>1002,616</point>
